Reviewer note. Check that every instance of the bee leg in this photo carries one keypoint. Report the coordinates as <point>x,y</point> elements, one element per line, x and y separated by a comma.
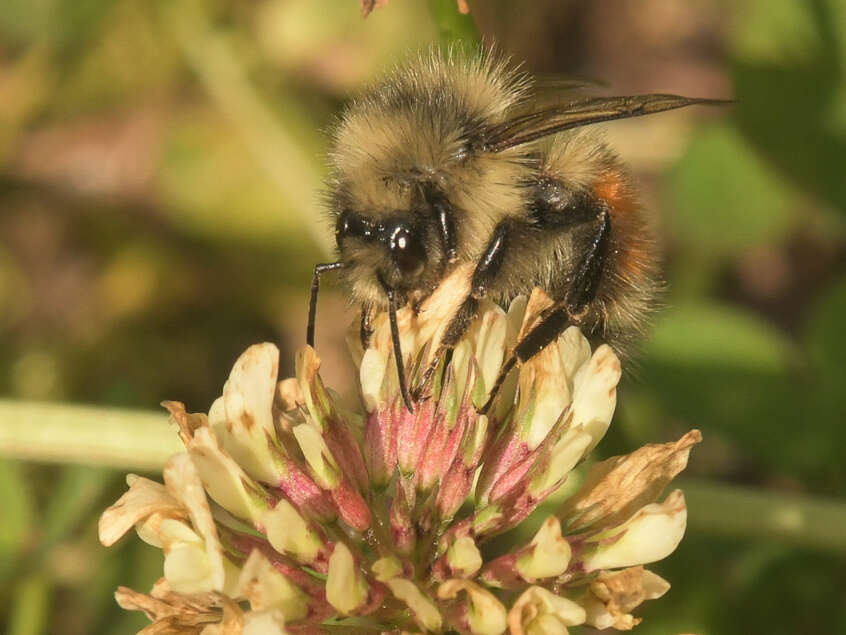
<point>569,311</point>
<point>486,270</point>
<point>457,327</point>
<point>312,304</point>
<point>366,329</point>
<point>395,340</point>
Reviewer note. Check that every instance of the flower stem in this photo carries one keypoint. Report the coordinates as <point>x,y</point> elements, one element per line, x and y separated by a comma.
<point>725,510</point>
<point>219,69</point>
<point>92,435</point>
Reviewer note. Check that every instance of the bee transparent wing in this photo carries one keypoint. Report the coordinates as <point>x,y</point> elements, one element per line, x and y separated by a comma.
<point>543,122</point>
<point>551,90</point>
<point>547,85</point>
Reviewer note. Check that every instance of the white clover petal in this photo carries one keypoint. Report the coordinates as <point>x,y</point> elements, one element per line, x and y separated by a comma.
<point>485,614</point>
<point>186,565</point>
<point>186,568</point>
<point>386,568</point>
<point>543,378</point>
<point>248,394</point>
<point>490,344</point>
<point>223,478</point>
<point>183,482</point>
<point>371,374</point>
<point>514,318</point>
<point>346,589</point>
<point>317,455</point>
<point>270,622</point>
<point>266,588</point>
<point>574,350</point>
<point>163,532</point>
<point>143,498</point>
<point>595,393</point>
<point>424,609</point>
<point>464,556</point>
<point>289,533</point>
<point>654,586</point>
<point>538,612</point>
<point>565,455</point>
<point>651,534</point>
<point>462,355</point>
<point>438,309</point>
<point>550,555</point>
<point>217,414</point>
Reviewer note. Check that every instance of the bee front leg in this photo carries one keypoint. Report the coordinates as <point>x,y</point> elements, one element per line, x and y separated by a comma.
<point>366,328</point>
<point>486,270</point>
<point>312,303</point>
<point>568,311</point>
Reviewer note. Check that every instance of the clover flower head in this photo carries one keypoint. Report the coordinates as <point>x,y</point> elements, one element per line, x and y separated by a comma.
<point>289,512</point>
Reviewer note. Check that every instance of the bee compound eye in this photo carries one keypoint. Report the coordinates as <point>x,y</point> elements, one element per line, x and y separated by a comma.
<point>351,224</point>
<point>342,227</point>
<point>408,252</point>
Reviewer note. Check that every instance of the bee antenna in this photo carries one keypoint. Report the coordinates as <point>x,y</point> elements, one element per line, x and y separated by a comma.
<point>392,317</point>
<point>312,303</point>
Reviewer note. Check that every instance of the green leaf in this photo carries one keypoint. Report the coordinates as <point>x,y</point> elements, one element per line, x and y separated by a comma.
<point>717,336</point>
<point>30,606</point>
<point>16,513</point>
<point>720,369</point>
<point>72,501</point>
<point>725,198</point>
<point>789,68</point>
<point>826,332</point>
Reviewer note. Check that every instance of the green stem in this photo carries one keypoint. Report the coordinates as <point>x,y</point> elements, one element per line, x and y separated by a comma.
<point>30,607</point>
<point>282,158</point>
<point>725,510</point>
<point>86,434</point>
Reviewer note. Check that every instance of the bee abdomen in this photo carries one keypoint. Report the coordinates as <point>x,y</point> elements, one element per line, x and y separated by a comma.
<point>584,183</point>
<point>629,285</point>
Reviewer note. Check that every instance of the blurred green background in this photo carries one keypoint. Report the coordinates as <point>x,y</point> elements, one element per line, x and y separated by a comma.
<point>160,175</point>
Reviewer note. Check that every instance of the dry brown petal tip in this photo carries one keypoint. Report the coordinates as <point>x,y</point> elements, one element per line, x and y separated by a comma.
<point>617,594</point>
<point>616,488</point>
<point>172,612</point>
<point>186,422</point>
<point>144,497</point>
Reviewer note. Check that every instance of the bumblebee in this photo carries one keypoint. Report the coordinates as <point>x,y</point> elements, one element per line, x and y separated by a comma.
<point>453,160</point>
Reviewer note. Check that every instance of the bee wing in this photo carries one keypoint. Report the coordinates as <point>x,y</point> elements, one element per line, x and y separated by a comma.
<point>547,85</point>
<point>542,122</point>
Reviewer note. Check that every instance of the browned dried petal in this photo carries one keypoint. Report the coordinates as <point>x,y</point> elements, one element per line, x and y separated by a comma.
<point>175,611</point>
<point>185,421</point>
<point>144,497</point>
<point>616,488</point>
<point>616,595</point>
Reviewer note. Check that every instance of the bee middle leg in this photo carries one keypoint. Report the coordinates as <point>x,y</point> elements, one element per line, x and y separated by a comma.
<point>485,272</point>
<point>570,310</point>
<point>366,328</point>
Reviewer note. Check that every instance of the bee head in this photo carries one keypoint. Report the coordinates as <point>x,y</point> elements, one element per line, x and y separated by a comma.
<point>390,250</point>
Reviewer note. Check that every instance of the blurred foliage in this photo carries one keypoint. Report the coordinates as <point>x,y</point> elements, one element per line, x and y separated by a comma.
<point>159,210</point>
